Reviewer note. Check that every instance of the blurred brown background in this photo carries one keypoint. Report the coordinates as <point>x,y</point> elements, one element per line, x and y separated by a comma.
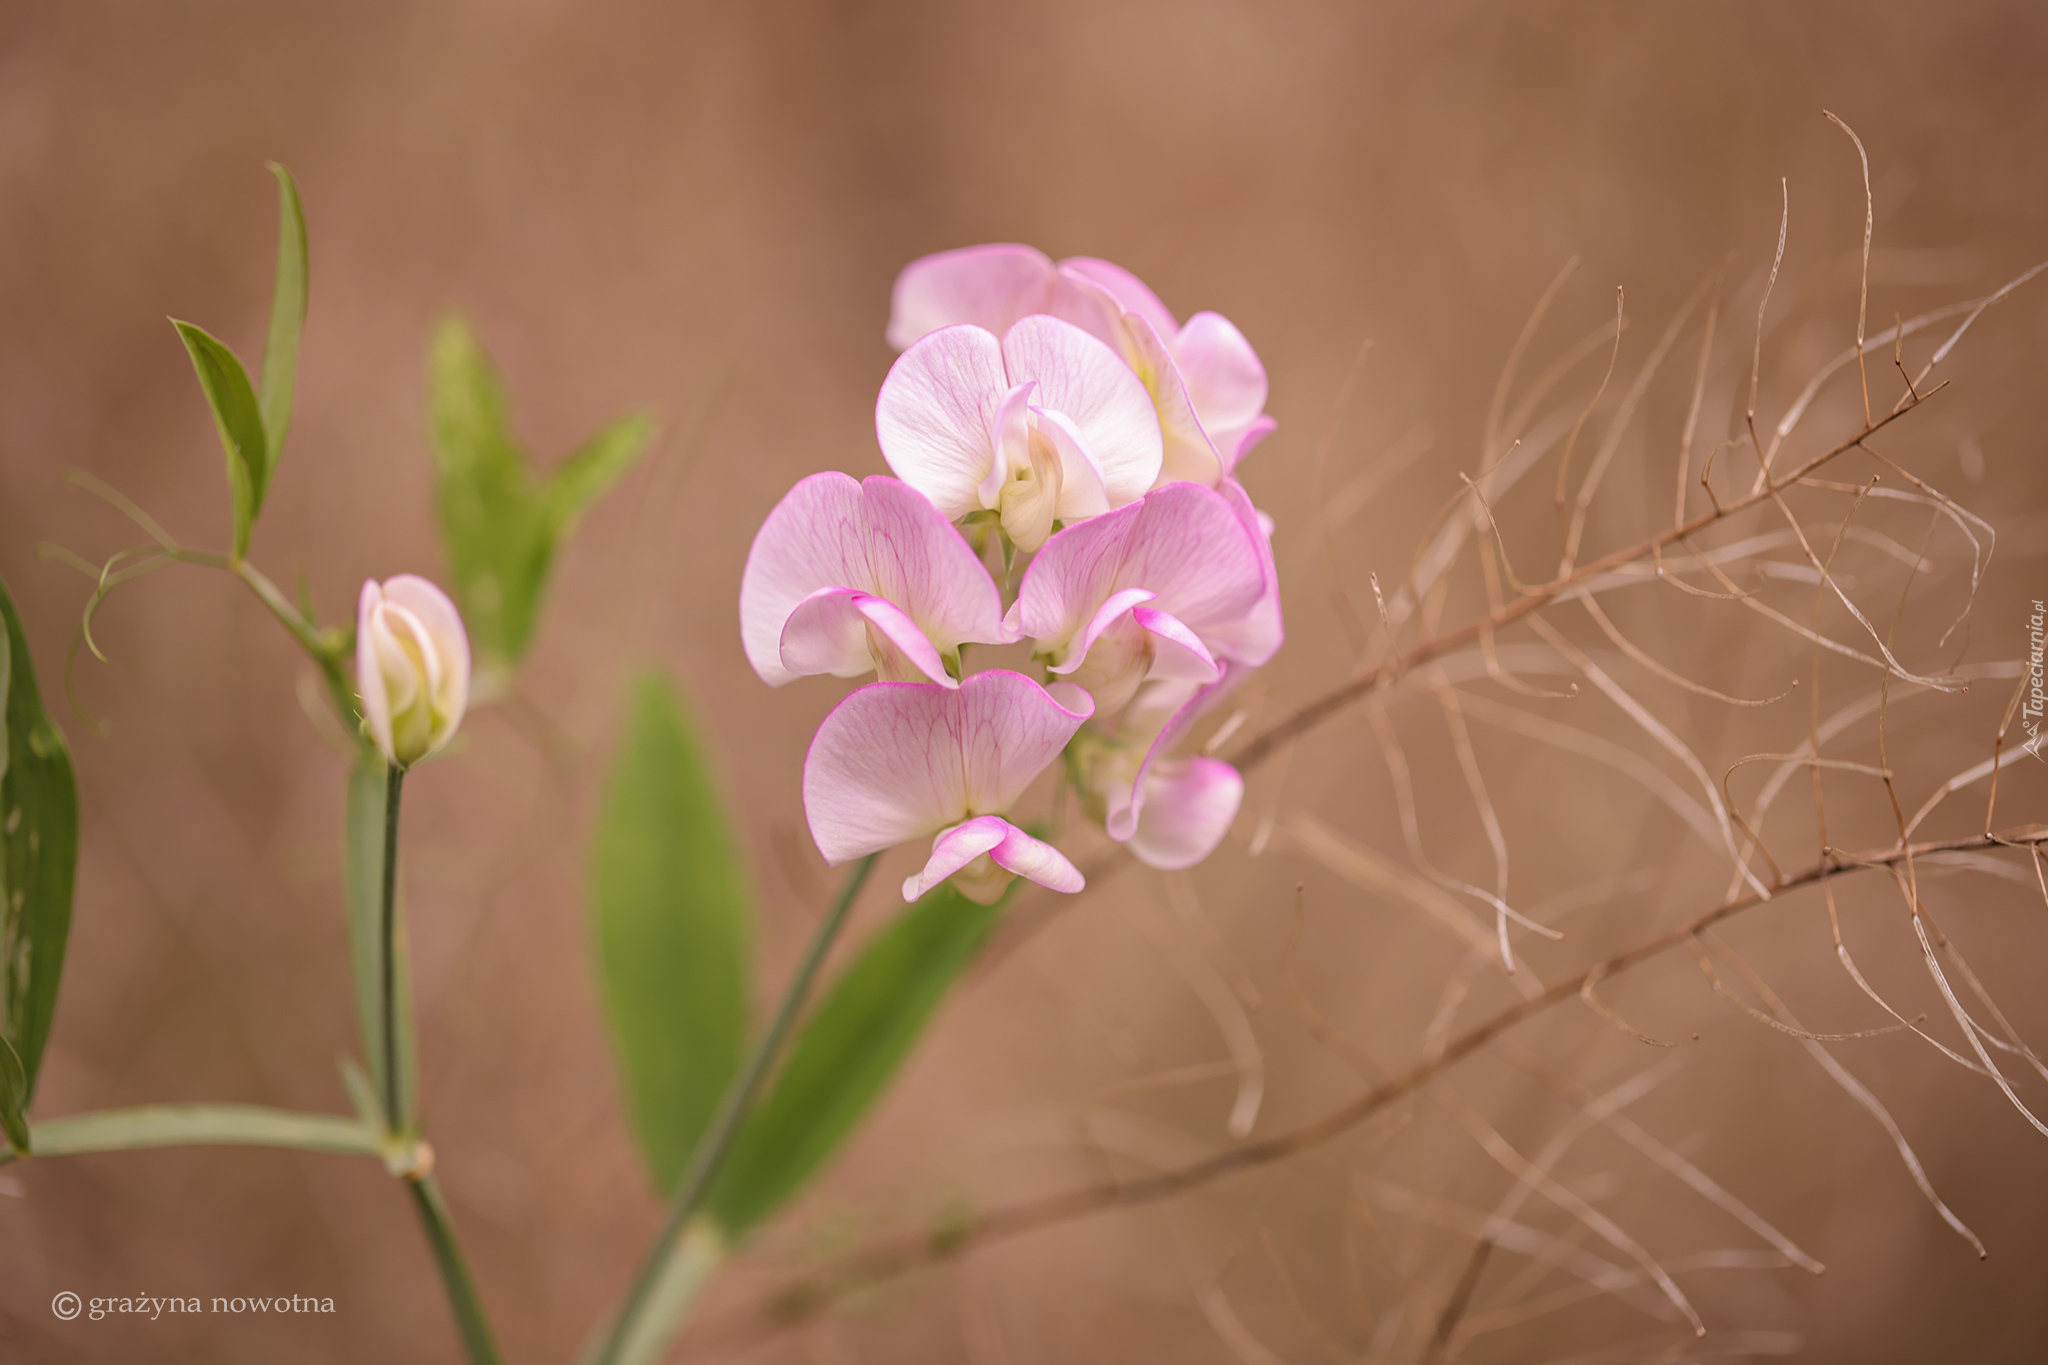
<point>699,209</point>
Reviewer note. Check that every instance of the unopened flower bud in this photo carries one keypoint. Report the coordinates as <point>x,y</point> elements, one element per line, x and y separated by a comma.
<point>412,667</point>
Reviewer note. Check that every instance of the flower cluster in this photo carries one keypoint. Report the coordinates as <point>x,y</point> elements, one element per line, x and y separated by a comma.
<point>1060,412</point>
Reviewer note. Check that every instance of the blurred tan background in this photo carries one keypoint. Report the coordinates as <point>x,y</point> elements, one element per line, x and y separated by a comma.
<point>699,209</point>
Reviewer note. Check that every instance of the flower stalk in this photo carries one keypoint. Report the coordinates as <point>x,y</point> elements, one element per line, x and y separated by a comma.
<point>637,1335</point>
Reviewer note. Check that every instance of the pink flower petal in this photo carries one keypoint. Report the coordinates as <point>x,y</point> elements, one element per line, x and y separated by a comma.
<point>1190,455</point>
<point>898,761</point>
<point>828,633</point>
<point>1239,442</point>
<point>1178,654</point>
<point>1128,290</point>
<point>881,538</point>
<point>1223,373</point>
<point>1038,861</point>
<point>1256,636</point>
<point>1113,607</point>
<point>1083,492</point>
<point>988,286</point>
<point>1006,846</point>
<point>1082,379</point>
<point>934,415</point>
<point>1184,543</point>
<point>1009,434</point>
<point>1189,806</point>
<point>955,849</point>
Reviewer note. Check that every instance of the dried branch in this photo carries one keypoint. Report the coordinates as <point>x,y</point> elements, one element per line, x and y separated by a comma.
<point>888,1258</point>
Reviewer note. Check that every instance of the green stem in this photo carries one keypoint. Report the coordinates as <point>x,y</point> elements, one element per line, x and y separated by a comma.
<point>199,1125</point>
<point>711,1150</point>
<point>463,1297</point>
<point>387,954</point>
<point>326,648</point>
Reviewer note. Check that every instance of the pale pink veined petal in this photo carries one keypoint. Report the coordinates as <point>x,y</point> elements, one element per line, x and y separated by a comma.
<point>1127,289</point>
<point>1256,636</point>
<point>1084,492</point>
<point>1190,456</point>
<point>1106,615</point>
<point>1089,306</point>
<point>897,761</point>
<point>1125,803</point>
<point>934,413</point>
<point>917,560</point>
<point>1235,444</point>
<point>989,286</point>
<point>1037,861</point>
<point>1081,378</point>
<point>880,537</point>
<point>1183,543</point>
<point>1007,847</point>
<point>828,633</point>
<point>1009,434</point>
<point>1189,806</point>
<point>1178,654</point>
<point>1224,377</point>
<point>955,849</point>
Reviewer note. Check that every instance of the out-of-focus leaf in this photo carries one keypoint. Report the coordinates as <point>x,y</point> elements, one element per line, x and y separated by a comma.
<point>287,316</point>
<point>240,421</point>
<point>13,1099</point>
<point>500,528</point>
<point>38,858</point>
<point>363,871</point>
<point>674,921</point>
<point>191,1125</point>
<point>846,1053</point>
<point>599,463</point>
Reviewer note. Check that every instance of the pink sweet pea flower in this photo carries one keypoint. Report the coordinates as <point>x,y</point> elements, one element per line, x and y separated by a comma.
<point>1044,425</point>
<point>848,578</point>
<point>902,761</point>
<point>1163,589</point>
<point>1204,378</point>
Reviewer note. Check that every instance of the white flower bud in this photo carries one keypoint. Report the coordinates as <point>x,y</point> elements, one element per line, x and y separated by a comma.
<point>412,667</point>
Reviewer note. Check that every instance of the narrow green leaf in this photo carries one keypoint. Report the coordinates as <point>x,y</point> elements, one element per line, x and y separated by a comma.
<point>673,920</point>
<point>287,317</point>
<point>13,1099</point>
<point>847,1051</point>
<point>38,855</point>
<point>240,421</point>
<point>363,871</point>
<point>193,1125</point>
<point>595,466</point>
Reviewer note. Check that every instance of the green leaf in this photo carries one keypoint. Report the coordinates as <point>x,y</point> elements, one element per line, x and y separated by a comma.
<point>287,317</point>
<point>38,856</point>
<point>240,421</point>
<point>590,472</point>
<point>13,1099</point>
<point>363,873</point>
<point>500,528</point>
<point>192,1125</point>
<point>847,1051</point>
<point>674,918</point>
